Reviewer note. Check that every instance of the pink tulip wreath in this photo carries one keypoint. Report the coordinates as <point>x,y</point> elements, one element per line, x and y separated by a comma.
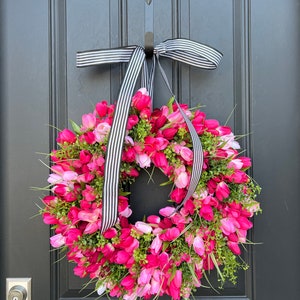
<point>165,254</point>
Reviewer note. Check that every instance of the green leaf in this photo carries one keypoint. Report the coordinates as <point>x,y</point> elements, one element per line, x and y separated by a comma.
<point>75,127</point>
<point>170,103</point>
<point>166,183</point>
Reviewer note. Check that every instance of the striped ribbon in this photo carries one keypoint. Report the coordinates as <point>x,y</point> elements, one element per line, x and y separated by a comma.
<point>182,50</point>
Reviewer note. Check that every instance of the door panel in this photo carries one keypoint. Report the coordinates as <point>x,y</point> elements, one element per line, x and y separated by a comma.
<point>276,144</point>
<point>104,24</point>
<point>40,85</point>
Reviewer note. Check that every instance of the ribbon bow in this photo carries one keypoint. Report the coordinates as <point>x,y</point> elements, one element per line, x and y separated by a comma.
<point>182,50</point>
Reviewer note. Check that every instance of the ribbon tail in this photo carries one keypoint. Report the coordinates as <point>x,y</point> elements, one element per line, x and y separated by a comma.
<point>116,139</point>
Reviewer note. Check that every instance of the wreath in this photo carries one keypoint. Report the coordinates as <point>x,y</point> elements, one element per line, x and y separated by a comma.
<point>165,254</point>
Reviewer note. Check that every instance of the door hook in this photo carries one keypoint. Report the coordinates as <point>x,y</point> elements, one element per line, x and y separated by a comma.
<point>149,46</point>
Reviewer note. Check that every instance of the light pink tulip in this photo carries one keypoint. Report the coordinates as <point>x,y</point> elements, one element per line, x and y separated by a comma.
<point>156,245</point>
<point>88,122</point>
<point>227,226</point>
<point>143,160</point>
<point>145,276</point>
<point>167,211</point>
<point>198,245</point>
<point>101,131</point>
<point>182,180</point>
<point>57,240</point>
<point>69,176</point>
<point>143,227</point>
<point>235,164</point>
<point>91,228</point>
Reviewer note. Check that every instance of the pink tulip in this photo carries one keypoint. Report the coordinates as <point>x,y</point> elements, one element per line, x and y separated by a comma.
<point>238,177</point>
<point>206,212</point>
<point>49,219</point>
<point>211,124</point>
<point>141,100</point>
<point>153,219</point>
<point>198,121</point>
<point>92,227</point>
<point>73,214</point>
<point>161,143</point>
<point>88,137</point>
<point>246,162</point>
<point>132,246</point>
<point>160,121</point>
<point>186,154</point>
<point>189,238</point>
<point>175,117</point>
<point>159,159</point>
<point>222,190</point>
<point>132,121</point>
<point>234,247</point>
<point>110,233</point>
<point>175,285</point>
<point>57,240</point>
<point>50,200</point>
<point>170,234</point>
<point>108,250</point>
<point>85,156</point>
<point>101,108</point>
<point>128,282</point>
<point>224,130</point>
<point>66,136</point>
<point>60,189</point>
<point>79,271</point>
<point>177,195</point>
<point>244,223</point>
<point>122,257</point>
<point>72,236</point>
<point>89,193</point>
<point>128,155</point>
<point>89,216</point>
<point>169,133</point>
<point>242,234</point>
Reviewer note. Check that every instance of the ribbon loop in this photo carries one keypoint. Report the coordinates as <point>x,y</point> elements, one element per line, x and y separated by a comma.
<point>189,52</point>
<point>182,50</point>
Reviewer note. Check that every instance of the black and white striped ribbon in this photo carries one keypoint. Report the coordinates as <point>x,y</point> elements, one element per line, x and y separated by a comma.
<point>182,50</point>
